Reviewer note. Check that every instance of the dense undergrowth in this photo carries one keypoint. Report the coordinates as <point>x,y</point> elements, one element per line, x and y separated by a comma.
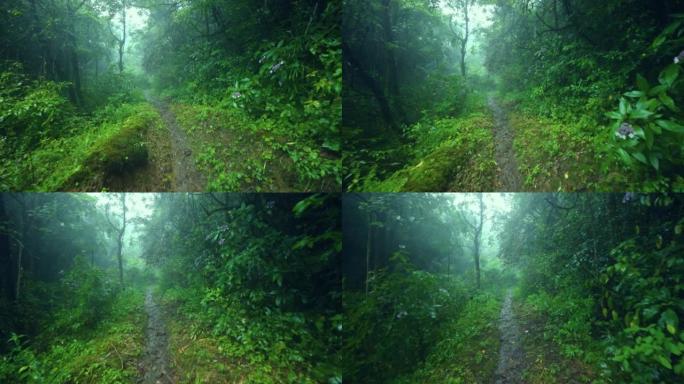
<point>255,308</point>
<point>48,145</point>
<point>273,101</point>
<point>88,331</point>
<point>416,326</point>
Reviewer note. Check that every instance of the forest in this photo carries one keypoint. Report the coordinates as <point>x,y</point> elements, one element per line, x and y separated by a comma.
<point>513,288</point>
<point>170,288</point>
<point>513,95</point>
<point>170,95</point>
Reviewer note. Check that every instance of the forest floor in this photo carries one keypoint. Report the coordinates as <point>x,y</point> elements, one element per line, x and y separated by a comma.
<point>155,363</point>
<point>504,152</point>
<point>186,177</point>
<point>511,364</point>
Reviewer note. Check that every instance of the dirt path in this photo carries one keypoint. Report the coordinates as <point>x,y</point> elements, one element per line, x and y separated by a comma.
<point>510,367</point>
<point>509,175</point>
<point>155,364</point>
<point>186,176</point>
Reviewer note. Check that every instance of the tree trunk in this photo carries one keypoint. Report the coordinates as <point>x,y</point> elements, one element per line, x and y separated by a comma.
<point>122,41</point>
<point>5,259</point>
<point>392,78</point>
<point>369,247</point>
<point>476,245</point>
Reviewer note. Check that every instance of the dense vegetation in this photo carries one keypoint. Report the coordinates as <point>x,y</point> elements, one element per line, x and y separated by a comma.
<point>593,284</point>
<point>248,285</point>
<point>247,94</point>
<point>476,95</point>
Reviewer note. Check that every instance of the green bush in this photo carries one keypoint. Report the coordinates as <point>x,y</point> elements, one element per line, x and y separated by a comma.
<point>394,326</point>
<point>30,110</point>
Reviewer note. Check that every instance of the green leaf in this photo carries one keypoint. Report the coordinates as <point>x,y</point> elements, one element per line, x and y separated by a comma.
<point>670,126</point>
<point>658,41</point>
<point>653,159</point>
<point>640,156</point>
<point>642,83</point>
<point>648,136</point>
<point>635,94</point>
<point>669,75</point>
<point>614,115</point>
<point>671,320</point>
<point>664,361</point>
<point>623,106</point>
<point>667,100</point>
<point>624,156</point>
<point>640,114</point>
<point>657,90</point>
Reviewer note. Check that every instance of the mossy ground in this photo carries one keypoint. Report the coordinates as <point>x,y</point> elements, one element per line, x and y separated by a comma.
<point>234,152</point>
<point>117,155</point>
<point>463,159</point>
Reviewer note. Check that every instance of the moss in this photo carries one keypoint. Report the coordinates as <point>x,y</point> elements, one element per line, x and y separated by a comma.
<point>463,162</point>
<point>119,153</point>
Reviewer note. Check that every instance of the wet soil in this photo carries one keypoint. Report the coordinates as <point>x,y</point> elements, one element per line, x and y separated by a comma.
<point>155,363</point>
<point>511,355</point>
<point>186,177</point>
<point>510,179</point>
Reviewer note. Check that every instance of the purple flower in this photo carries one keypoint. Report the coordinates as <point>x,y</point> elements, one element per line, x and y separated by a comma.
<point>276,67</point>
<point>236,95</point>
<point>678,59</point>
<point>626,131</point>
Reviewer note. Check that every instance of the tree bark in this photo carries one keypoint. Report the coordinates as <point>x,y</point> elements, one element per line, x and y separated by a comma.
<point>477,237</point>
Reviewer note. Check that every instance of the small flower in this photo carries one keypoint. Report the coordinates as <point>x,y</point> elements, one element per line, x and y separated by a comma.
<point>236,95</point>
<point>626,131</point>
<point>221,241</point>
<point>679,58</point>
<point>629,196</point>
<point>276,67</point>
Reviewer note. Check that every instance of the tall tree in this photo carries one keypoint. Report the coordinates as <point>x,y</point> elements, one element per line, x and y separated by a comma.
<point>461,29</point>
<point>476,228</point>
<point>120,230</point>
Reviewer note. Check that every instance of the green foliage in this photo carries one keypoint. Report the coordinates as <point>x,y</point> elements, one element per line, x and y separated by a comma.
<point>89,295</point>
<point>84,156</point>
<point>647,125</point>
<point>30,110</point>
<point>642,305</point>
<point>468,350</point>
<point>394,326</point>
<point>264,289</point>
<point>109,352</point>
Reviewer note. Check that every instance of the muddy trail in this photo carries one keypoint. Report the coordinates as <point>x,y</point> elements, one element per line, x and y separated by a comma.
<point>504,153</point>
<point>185,175</point>
<point>510,367</point>
<point>155,364</point>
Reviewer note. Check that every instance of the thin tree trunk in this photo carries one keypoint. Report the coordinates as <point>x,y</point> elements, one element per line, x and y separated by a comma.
<point>369,247</point>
